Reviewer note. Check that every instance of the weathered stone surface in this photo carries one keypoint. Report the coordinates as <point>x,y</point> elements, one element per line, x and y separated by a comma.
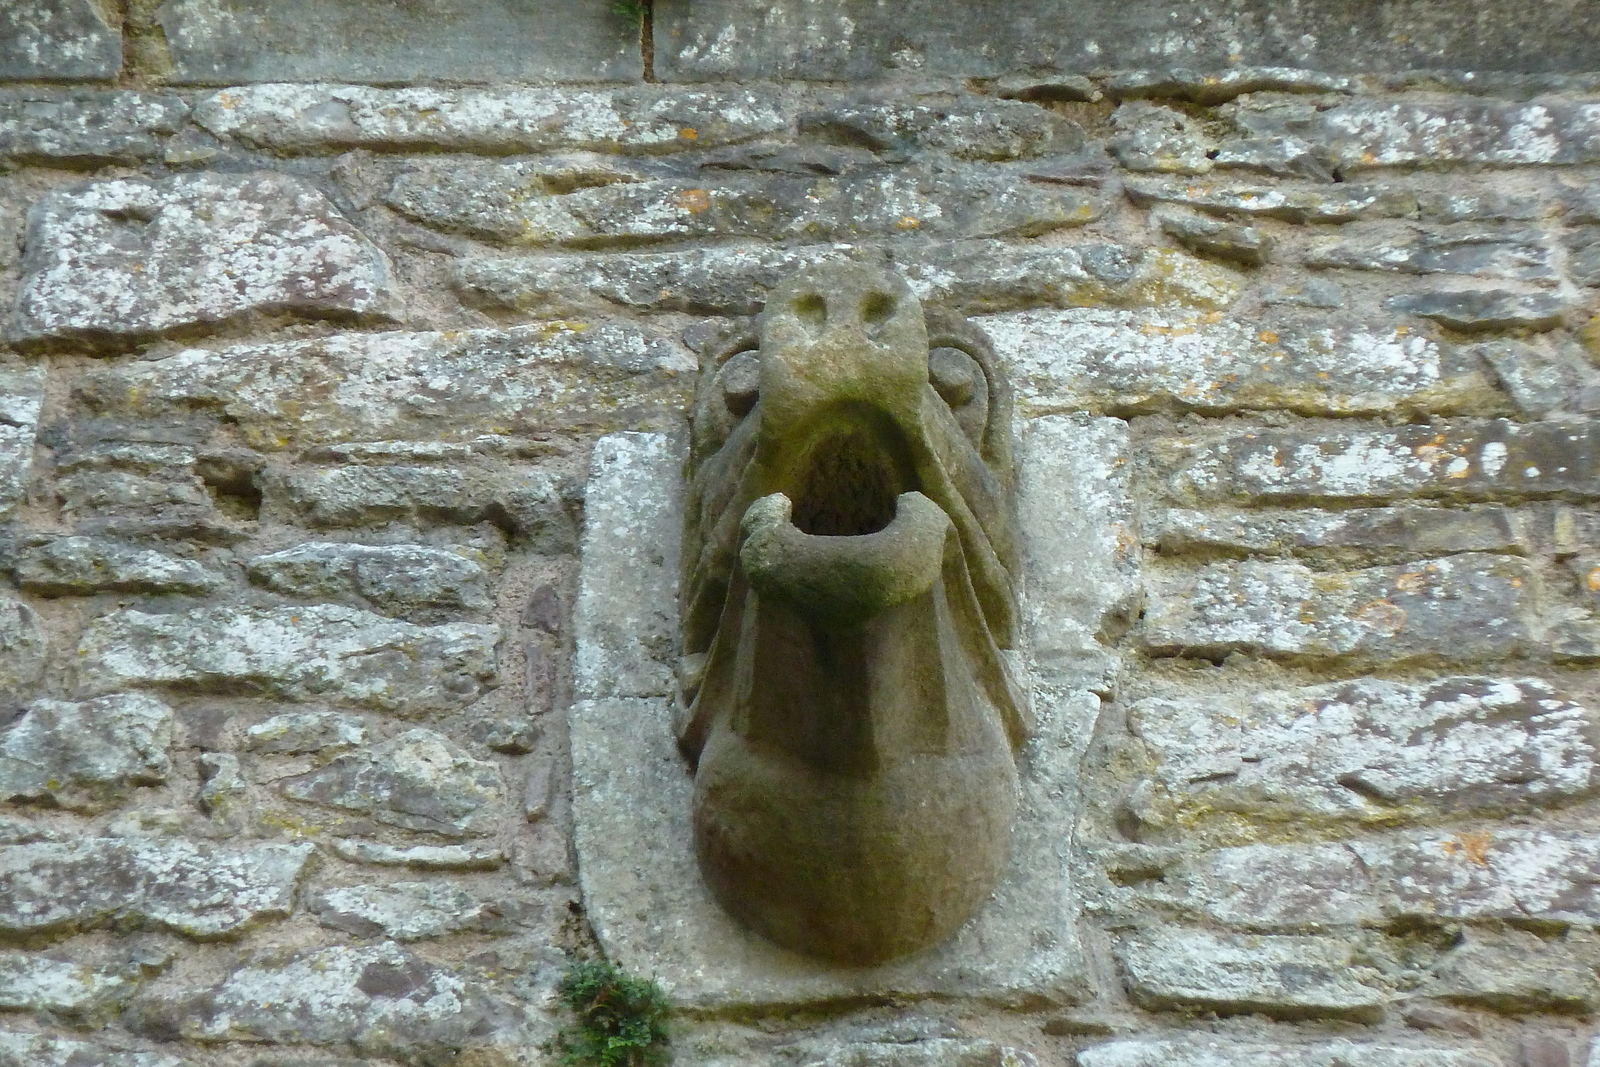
<point>405,911</point>
<point>511,204</point>
<point>58,888</point>
<point>1325,203</point>
<point>1412,530</point>
<point>320,652</point>
<point>918,1052</point>
<point>310,731</point>
<point>1466,608</point>
<point>320,118</point>
<point>21,395</point>
<point>1137,362</point>
<point>1476,310</point>
<point>377,1001</point>
<point>67,40</point>
<point>421,857</point>
<point>967,127</point>
<point>1220,86</point>
<point>30,982</point>
<point>1515,971</point>
<point>1150,137</point>
<point>1519,255</point>
<point>137,489</point>
<point>116,262</point>
<point>1371,750</point>
<point>1220,240</point>
<point>85,127</point>
<point>1541,378</point>
<point>76,566</point>
<point>419,781</point>
<point>1464,460</point>
<point>392,578</point>
<point>363,387</point>
<point>86,757</point>
<point>218,42</point>
<point>222,784</point>
<point>625,620</point>
<point>973,276</point>
<point>1286,977</point>
<point>1285,157</point>
<point>1311,292</point>
<point>1482,204</point>
<point>1076,514</point>
<point>41,1050</point>
<point>23,650</point>
<point>1190,1052</point>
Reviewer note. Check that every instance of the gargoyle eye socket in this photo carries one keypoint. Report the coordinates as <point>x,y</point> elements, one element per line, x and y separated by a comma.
<point>740,382</point>
<point>955,376</point>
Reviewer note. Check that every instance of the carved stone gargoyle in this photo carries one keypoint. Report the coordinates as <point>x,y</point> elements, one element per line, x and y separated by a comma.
<point>850,573</point>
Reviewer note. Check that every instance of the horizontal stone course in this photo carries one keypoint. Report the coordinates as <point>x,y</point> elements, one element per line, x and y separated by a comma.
<point>18,1049</point>
<point>1409,530</point>
<point>87,756</point>
<point>1519,255</point>
<point>1211,1052</point>
<point>30,982</point>
<point>57,40</point>
<point>67,566</point>
<point>86,127</point>
<point>392,578</point>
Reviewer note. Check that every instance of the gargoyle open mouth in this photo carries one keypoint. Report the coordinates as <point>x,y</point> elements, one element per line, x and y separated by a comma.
<point>849,591</point>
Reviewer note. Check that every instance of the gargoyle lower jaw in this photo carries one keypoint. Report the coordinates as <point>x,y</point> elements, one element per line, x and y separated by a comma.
<point>843,580</point>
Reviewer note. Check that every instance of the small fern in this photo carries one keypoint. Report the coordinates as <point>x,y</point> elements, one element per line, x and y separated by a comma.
<point>632,10</point>
<point>621,1021</point>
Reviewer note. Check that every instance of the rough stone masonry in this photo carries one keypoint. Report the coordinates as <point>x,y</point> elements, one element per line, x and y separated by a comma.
<point>321,325</point>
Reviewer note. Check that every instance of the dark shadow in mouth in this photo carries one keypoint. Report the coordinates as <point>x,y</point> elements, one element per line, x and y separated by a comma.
<point>852,475</point>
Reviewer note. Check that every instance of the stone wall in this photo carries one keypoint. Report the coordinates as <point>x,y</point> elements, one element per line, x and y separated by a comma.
<point>316,312</point>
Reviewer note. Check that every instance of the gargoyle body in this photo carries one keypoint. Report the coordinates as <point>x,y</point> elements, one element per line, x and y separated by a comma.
<point>849,594</point>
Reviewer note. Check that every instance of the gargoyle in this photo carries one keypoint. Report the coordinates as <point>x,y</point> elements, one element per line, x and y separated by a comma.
<point>850,594</point>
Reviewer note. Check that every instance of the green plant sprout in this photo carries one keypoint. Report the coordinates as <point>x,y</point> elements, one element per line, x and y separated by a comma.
<point>621,1020</point>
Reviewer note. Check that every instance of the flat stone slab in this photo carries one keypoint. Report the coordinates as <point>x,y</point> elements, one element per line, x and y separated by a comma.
<point>1190,1052</point>
<point>218,42</point>
<point>633,791</point>
<point>57,39</point>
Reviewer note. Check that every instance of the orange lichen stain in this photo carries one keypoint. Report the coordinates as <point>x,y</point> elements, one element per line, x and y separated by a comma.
<point>1368,157</point>
<point>1211,318</point>
<point>689,133</point>
<point>1412,582</point>
<point>228,101</point>
<point>1402,331</point>
<point>908,222</point>
<point>1474,846</point>
<point>1592,580</point>
<point>694,201</point>
<point>1323,375</point>
<point>1382,615</point>
<point>1268,337</point>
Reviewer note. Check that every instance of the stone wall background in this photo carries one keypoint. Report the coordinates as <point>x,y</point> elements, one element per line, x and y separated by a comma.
<point>316,311</point>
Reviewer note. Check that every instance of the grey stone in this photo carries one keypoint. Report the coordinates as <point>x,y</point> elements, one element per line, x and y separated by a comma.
<point>1541,378</point>
<point>1329,203</point>
<point>625,619</point>
<point>138,490</point>
<point>967,128</point>
<point>1211,87</point>
<point>1463,460</point>
<point>30,982</point>
<point>1220,240</point>
<point>510,203</point>
<point>309,731</point>
<point>1465,608</point>
<point>1353,533</point>
<point>374,1001</point>
<point>319,652</point>
<point>1312,292</point>
<point>1286,157</point>
<point>513,736</point>
<point>1477,310</point>
<point>77,566</point>
<point>974,276</point>
<point>1371,750</point>
<point>1135,362</point>
<point>117,262</point>
<point>1427,1016</point>
<point>1076,514</point>
<point>392,578</point>
<point>42,1050</point>
<point>418,781</point>
<point>21,396</point>
<point>219,42</point>
<point>364,387</point>
<point>1520,255</point>
<point>421,857</point>
<point>23,650</point>
<point>1477,205</point>
<point>922,1052</point>
<point>530,503</point>
<point>223,783</point>
<point>86,757</point>
<point>1150,137</point>
<point>1515,971</point>
<point>86,127</point>
<point>319,118</point>
<point>1191,1052</point>
<point>58,888</point>
<point>405,911</point>
<point>67,40</point>
<point>1286,977</point>
<point>1583,256</point>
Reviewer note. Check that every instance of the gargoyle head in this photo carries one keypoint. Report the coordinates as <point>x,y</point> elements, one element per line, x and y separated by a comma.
<point>850,568</point>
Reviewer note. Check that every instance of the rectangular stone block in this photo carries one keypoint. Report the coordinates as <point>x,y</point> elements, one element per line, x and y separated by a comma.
<point>1138,362</point>
<point>21,397</point>
<point>1289,202</point>
<point>1464,460</point>
<point>1355,533</point>
<point>1209,1052</point>
<point>218,42</point>
<point>1518,255</point>
<point>700,40</point>
<point>57,40</point>
<point>86,127</point>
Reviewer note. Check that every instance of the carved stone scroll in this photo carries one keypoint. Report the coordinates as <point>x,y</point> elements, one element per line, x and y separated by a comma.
<point>850,569</point>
